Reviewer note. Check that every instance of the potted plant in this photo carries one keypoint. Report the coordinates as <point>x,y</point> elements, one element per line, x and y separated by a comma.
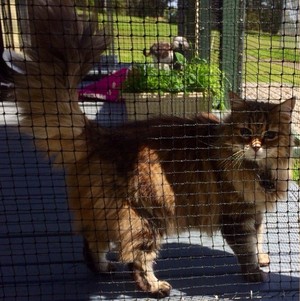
<point>197,86</point>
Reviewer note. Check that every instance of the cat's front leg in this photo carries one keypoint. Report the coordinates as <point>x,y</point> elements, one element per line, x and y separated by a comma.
<point>263,258</point>
<point>241,235</point>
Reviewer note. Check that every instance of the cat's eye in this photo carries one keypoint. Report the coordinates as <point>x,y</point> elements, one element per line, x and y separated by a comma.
<point>245,132</point>
<point>270,135</point>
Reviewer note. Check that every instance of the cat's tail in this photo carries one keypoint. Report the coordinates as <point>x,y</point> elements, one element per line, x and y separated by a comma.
<point>61,51</point>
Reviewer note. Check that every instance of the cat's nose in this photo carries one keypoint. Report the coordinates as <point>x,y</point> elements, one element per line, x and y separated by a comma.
<point>256,145</point>
<point>256,148</point>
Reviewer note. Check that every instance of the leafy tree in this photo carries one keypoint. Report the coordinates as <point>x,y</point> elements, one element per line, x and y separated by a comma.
<point>147,8</point>
<point>265,15</point>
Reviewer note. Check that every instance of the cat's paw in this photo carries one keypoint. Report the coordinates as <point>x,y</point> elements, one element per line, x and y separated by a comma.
<point>161,289</point>
<point>263,259</point>
<point>147,282</point>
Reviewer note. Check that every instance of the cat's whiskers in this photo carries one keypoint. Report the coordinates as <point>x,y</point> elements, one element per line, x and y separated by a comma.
<point>239,158</point>
<point>233,161</point>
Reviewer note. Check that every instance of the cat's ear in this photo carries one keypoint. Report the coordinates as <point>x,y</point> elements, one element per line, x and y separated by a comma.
<point>286,107</point>
<point>236,102</point>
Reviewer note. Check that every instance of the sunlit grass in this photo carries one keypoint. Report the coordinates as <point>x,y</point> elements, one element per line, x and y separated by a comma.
<point>266,72</point>
<point>274,48</point>
<point>133,34</point>
<point>265,58</point>
<point>296,171</point>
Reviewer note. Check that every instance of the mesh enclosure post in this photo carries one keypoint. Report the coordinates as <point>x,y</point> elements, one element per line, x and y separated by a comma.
<point>232,43</point>
<point>205,27</point>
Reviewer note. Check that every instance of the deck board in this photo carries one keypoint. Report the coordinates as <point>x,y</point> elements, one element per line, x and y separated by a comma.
<point>42,260</point>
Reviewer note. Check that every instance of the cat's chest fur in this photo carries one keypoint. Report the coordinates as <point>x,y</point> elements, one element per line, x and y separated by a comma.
<point>260,187</point>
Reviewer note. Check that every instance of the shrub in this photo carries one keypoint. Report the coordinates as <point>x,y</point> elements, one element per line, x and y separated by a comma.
<point>196,75</point>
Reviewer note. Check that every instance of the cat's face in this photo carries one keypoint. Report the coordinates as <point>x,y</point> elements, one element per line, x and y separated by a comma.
<point>256,141</point>
<point>258,131</point>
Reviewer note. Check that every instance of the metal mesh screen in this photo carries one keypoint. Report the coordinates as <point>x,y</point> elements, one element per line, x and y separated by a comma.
<point>154,177</point>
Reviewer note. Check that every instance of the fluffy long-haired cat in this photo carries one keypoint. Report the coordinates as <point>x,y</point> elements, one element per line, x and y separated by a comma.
<point>139,182</point>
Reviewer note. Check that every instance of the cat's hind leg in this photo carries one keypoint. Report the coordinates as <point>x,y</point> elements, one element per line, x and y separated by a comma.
<point>139,246</point>
<point>95,253</point>
<point>145,278</point>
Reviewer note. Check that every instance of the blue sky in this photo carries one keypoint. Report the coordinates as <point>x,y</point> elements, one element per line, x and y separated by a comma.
<point>172,3</point>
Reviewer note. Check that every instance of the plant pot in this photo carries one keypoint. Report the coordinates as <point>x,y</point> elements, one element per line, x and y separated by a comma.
<point>142,106</point>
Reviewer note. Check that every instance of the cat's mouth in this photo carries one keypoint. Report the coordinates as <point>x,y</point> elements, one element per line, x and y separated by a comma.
<point>264,176</point>
<point>254,154</point>
<point>266,180</point>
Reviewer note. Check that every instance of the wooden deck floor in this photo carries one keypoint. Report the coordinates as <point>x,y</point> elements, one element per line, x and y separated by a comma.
<point>42,260</point>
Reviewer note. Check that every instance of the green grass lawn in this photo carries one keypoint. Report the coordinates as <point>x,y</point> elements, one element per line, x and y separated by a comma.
<point>265,58</point>
<point>271,59</point>
<point>296,171</point>
<point>133,34</point>
<point>267,72</point>
<point>275,48</point>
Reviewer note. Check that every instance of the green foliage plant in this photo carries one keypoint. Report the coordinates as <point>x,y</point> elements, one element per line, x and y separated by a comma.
<point>196,75</point>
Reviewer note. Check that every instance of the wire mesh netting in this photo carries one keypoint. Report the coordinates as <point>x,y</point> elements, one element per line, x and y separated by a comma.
<point>149,149</point>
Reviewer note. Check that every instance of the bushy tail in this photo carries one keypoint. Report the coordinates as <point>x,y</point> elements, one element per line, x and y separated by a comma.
<point>61,51</point>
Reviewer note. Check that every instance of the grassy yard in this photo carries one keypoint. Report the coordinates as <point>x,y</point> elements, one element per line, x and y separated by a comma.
<point>296,171</point>
<point>133,34</point>
<point>275,48</point>
<point>265,58</point>
<point>269,71</point>
<point>271,59</point>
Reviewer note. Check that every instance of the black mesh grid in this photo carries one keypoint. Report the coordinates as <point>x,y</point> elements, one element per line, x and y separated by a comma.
<point>249,47</point>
